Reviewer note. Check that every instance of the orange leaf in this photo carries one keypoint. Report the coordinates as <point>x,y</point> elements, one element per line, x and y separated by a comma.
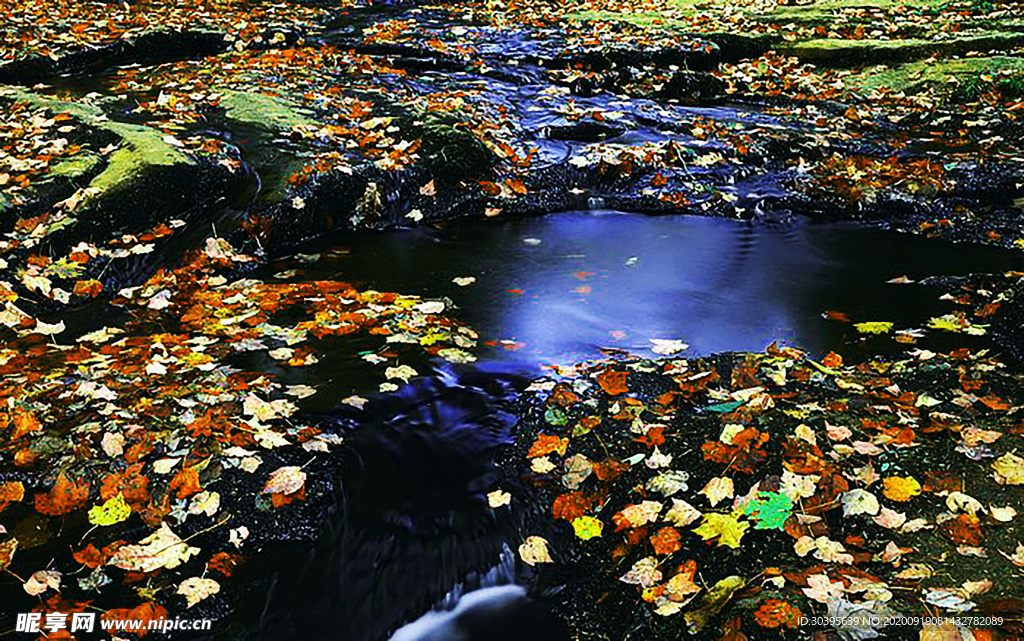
<point>11,492</point>
<point>24,422</point>
<point>666,540</point>
<point>146,612</point>
<point>570,506</point>
<point>613,383</point>
<point>900,488</point>
<point>546,443</point>
<point>186,481</point>
<point>88,287</point>
<point>65,496</point>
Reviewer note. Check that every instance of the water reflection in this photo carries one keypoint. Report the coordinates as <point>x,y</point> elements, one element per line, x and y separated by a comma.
<point>555,289</point>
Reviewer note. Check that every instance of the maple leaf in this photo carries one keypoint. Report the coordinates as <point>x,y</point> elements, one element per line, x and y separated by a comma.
<point>144,613</point>
<point>498,498</point>
<point>186,482</point>
<point>899,488</point>
<point>535,550</point>
<point>24,421</point>
<point>224,562</point>
<point>821,588</point>
<point>682,513</point>
<point>587,527</point>
<point>65,496</point>
<point>570,506</point>
<point>727,528</point>
<point>769,510</point>
<point>775,613</point>
<point>195,589</point>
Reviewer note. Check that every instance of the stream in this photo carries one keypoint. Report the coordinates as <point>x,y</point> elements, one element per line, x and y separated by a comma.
<point>555,290</point>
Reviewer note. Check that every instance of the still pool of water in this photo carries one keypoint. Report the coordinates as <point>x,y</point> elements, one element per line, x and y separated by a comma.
<point>556,289</point>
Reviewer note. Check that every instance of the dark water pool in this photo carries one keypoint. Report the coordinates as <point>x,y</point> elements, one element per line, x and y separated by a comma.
<point>556,289</point>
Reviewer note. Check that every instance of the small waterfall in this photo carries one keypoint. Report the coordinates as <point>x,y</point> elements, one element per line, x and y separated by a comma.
<point>595,202</point>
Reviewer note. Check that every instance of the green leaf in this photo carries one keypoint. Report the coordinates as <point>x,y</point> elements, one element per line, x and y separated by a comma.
<point>769,510</point>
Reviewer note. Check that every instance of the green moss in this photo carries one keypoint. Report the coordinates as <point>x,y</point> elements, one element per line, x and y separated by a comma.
<point>142,147</point>
<point>918,76</point>
<point>263,110</point>
<point>75,166</point>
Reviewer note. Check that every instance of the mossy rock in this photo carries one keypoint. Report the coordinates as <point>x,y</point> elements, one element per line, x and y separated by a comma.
<point>840,53</point>
<point>264,110</point>
<point>452,153</point>
<point>963,78</point>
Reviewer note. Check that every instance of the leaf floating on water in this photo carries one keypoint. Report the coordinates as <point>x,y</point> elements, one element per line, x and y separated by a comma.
<point>498,498</point>
<point>113,511</point>
<point>161,549</point>
<point>42,580</point>
<point>535,550</point>
<point>587,527</point>
<point>874,327</point>
<point>285,480</point>
<point>682,513</point>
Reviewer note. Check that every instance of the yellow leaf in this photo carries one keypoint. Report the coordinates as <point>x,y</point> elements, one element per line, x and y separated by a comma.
<point>899,488</point>
<point>587,527</point>
<point>1009,469</point>
<point>113,511</point>
<point>727,528</point>
<point>874,327</point>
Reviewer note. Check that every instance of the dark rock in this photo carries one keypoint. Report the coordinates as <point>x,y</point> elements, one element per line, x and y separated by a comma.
<point>150,48</point>
<point>693,87</point>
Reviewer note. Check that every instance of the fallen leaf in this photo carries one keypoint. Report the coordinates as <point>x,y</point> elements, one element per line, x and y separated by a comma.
<point>727,528</point>
<point>112,511</point>
<point>535,550</point>
<point>195,589</point>
<point>644,573</point>
<point>161,549</point>
<point>718,489</point>
<point>899,488</point>
<point>40,581</point>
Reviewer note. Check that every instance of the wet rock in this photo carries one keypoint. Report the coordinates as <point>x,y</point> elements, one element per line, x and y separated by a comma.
<point>587,131</point>
<point>692,87</point>
<point>150,48</point>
